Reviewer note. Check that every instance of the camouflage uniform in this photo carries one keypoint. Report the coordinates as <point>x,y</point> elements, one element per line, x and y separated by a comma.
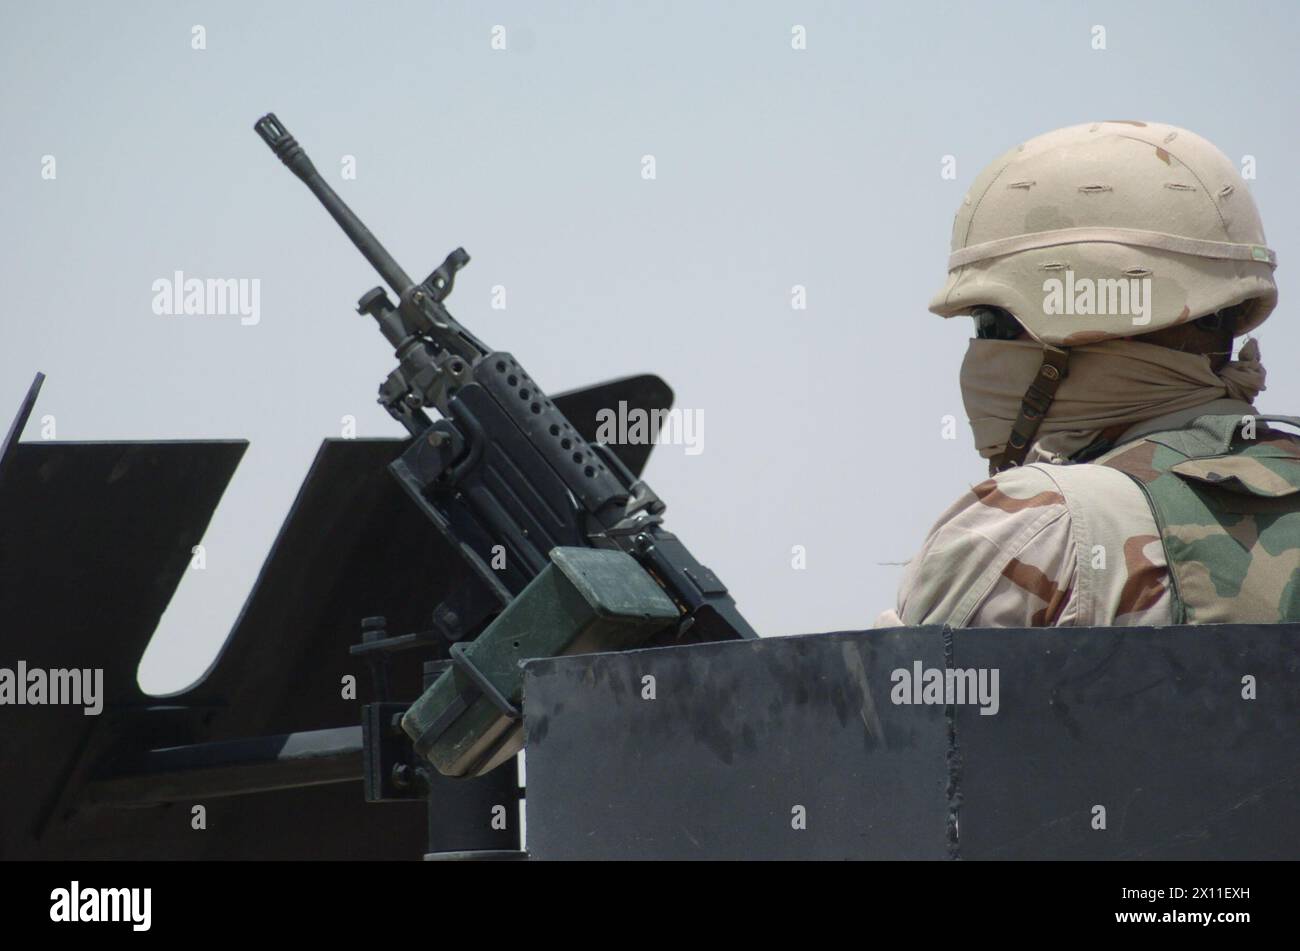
<point>1078,545</point>
<point>1040,546</point>
<point>1193,516</point>
<point>1225,494</point>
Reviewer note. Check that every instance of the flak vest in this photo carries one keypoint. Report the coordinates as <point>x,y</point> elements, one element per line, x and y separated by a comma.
<point>1225,493</point>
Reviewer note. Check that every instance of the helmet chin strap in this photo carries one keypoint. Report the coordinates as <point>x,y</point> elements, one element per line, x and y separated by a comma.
<point>1038,398</point>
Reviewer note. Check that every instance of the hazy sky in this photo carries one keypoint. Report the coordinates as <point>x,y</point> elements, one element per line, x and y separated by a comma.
<point>774,167</point>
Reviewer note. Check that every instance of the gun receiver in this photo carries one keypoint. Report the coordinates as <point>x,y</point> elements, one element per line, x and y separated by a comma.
<point>502,473</point>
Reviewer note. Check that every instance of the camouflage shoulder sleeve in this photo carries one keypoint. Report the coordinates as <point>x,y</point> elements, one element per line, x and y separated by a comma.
<point>1039,546</point>
<point>1001,556</point>
<point>1121,576</point>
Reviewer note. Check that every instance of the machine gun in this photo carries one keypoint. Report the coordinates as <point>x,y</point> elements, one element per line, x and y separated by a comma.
<point>568,544</point>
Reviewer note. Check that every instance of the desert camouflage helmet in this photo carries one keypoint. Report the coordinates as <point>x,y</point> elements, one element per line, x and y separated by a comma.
<point>1110,201</point>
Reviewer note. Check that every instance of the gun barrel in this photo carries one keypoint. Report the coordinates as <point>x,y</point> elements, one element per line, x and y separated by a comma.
<point>286,147</point>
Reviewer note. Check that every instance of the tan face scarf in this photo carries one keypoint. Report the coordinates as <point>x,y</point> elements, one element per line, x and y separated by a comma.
<point>1109,383</point>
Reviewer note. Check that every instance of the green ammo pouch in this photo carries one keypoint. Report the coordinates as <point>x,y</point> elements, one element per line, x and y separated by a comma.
<point>586,600</point>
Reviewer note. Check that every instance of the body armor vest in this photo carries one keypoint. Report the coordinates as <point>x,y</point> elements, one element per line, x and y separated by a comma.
<point>1225,493</point>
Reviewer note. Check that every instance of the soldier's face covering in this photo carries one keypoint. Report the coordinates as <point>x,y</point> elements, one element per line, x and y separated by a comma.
<point>1109,383</point>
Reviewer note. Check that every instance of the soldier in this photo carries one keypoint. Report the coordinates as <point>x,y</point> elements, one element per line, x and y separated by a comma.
<point>1108,268</point>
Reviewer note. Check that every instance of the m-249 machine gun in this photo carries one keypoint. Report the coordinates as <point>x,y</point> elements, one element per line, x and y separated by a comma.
<point>568,543</point>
